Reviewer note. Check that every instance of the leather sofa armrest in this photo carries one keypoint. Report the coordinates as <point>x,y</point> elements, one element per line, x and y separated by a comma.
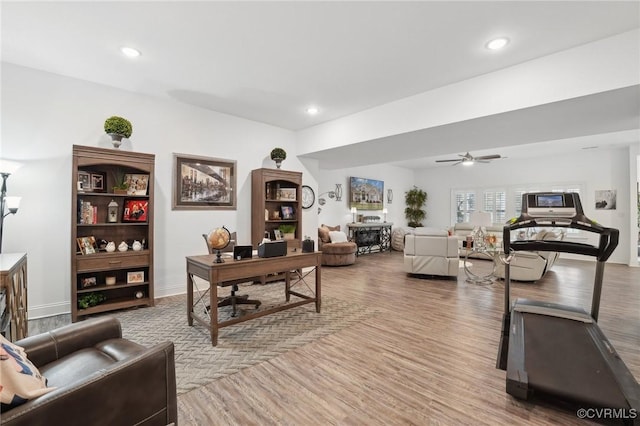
<point>47,347</point>
<point>139,390</point>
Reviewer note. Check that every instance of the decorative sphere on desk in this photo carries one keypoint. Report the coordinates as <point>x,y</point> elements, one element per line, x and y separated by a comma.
<point>218,239</point>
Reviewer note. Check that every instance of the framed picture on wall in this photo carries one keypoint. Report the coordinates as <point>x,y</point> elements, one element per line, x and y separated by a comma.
<point>203,183</point>
<point>366,194</point>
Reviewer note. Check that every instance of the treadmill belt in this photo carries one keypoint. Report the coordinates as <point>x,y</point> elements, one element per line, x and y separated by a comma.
<point>562,359</point>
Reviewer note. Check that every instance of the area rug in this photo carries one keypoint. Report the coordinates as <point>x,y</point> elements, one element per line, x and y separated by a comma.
<point>241,345</point>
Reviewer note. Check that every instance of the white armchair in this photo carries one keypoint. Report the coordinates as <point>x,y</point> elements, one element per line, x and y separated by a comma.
<point>431,251</point>
<point>532,265</point>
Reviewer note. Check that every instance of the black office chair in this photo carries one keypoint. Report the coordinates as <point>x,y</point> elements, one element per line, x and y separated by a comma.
<point>233,299</point>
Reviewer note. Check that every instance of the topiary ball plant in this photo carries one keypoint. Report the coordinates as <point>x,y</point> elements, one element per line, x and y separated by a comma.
<point>118,126</point>
<point>278,155</point>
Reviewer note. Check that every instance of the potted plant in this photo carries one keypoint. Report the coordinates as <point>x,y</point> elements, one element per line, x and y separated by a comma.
<point>278,155</point>
<point>415,199</point>
<point>118,128</point>
<point>121,186</point>
<point>288,231</point>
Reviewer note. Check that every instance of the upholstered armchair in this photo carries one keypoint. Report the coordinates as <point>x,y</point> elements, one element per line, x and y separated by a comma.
<point>532,265</point>
<point>99,378</point>
<point>335,247</point>
<point>430,251</point>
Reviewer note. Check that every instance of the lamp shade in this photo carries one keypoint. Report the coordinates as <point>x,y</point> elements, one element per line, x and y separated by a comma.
<point>480,219</point>
<point>12,203</point>
<point>9,166</point>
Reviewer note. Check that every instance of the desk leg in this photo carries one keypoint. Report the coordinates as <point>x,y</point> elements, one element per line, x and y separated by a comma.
<point>318,285</point>
<point>287,285</point>
<point>213,312</point>
<point>189,299</point>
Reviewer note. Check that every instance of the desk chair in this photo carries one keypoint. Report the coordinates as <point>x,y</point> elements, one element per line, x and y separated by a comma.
<point>233,299</point>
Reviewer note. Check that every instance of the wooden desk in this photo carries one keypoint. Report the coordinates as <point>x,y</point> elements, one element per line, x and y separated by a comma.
<point>223,274</point>
<point>13,278</point>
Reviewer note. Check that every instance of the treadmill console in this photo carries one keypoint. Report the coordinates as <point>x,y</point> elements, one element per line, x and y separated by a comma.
<point>551,204</point>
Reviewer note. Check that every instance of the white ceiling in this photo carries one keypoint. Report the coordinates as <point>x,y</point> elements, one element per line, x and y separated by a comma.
<point>267,61</point>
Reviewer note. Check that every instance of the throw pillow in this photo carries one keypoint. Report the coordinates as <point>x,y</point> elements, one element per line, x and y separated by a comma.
<point>323,232</point>
<point>338,237</point>
<point>21,380</point>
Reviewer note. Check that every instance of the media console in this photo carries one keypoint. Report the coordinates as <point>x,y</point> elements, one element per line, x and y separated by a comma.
<point>370,237</point>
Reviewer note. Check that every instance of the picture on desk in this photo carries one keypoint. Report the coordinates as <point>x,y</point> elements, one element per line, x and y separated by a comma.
<point>287,212</point>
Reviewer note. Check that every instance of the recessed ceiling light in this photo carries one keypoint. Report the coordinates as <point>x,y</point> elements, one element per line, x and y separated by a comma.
<point>497,43</point>
<point>312,110</point>
<point>130,52</point>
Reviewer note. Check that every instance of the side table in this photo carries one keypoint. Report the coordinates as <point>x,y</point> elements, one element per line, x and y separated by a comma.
<point>491,254</point>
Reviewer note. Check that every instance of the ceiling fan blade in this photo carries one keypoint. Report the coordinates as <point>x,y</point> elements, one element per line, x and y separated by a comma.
<point>488,157</point>
<point>448,161</point>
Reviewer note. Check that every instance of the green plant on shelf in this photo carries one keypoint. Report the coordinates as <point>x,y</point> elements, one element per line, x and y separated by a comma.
<point>287,229</point>
<point>118,126</point>
<point>90,299</point>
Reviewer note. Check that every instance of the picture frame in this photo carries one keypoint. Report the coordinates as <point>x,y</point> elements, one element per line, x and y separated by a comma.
<point>88,282</point>
<point>287,194</point>
<point>287,212</point>
<point>137,183</point>
<point>366,194</point>
<point>203,183</point>
<point>84,181</point>
<point>277,235</point>
<point>135,277</point>
<point>135,210</point>
<point>605,199</point>
<point>87,245</point>
<point>98,182</point>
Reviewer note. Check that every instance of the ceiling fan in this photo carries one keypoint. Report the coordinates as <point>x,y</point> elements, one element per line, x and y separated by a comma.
<point>468,159</point>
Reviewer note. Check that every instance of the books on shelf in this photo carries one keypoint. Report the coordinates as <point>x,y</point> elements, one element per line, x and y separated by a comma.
<point>88,214</point>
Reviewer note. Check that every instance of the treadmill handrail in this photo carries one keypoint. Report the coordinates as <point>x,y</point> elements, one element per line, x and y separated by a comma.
<point>609,237</point>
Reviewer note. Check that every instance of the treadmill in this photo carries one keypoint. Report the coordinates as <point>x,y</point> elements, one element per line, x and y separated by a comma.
<point>557,351</point>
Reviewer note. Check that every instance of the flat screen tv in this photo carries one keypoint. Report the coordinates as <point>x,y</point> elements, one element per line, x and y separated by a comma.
<point>366,194</point>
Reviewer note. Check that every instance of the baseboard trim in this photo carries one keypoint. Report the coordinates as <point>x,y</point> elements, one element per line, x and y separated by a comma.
<point>62,308</point>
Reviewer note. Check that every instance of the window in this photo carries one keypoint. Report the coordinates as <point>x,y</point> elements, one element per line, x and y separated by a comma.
<point>495,202</point>
<point>465,205</point>
<point>502,203</point>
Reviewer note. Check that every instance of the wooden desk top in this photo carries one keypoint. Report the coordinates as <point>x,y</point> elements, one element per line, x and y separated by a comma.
<point>205,266</point>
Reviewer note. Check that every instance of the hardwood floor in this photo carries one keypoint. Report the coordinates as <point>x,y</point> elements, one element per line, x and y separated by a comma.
<point>427,357</point>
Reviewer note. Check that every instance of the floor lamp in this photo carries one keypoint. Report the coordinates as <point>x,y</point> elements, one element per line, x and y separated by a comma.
<point>10,204</point>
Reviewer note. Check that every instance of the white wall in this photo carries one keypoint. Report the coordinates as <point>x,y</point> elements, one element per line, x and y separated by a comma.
<point>595,169</point>
<point>44,114</point>
<point>338,212</point>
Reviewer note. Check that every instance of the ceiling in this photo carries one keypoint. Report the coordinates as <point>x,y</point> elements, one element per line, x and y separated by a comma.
<point>268,61</point>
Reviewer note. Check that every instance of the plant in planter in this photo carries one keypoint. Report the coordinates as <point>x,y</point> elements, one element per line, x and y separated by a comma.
<point>288,231</point>
<point>118,128</point>
<point>90,299</point>
<point>121,186</point>
<point>278,155</point>
<point>415,199</point>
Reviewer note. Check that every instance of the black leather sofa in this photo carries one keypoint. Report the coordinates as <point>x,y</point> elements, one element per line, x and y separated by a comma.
<point>100,378</point>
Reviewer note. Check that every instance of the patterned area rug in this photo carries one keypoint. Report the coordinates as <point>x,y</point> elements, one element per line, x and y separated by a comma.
<point>241,345</point>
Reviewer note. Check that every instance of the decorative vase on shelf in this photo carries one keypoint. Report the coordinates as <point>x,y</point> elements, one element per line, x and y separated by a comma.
<point>116,139</point>
<point>278,155</point>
